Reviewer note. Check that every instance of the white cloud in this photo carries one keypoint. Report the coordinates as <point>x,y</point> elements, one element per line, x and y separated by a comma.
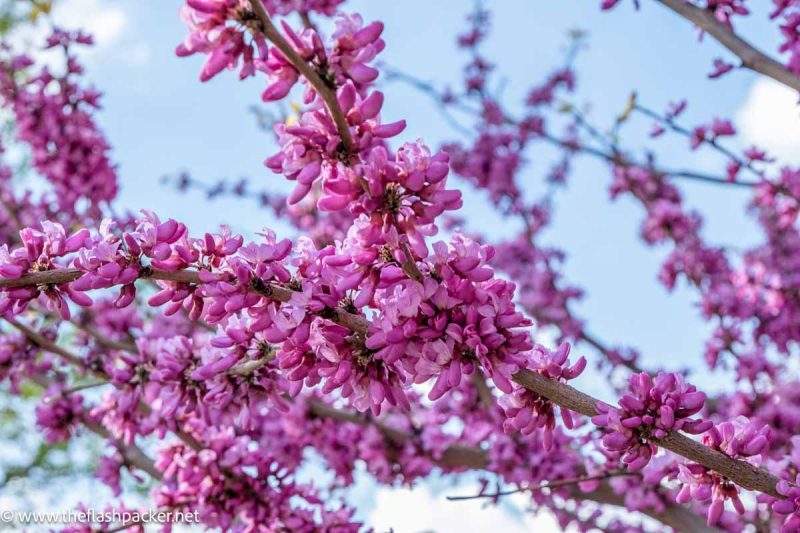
<point>106,22</point>
<point>420,510</point>
<point>770,119</point>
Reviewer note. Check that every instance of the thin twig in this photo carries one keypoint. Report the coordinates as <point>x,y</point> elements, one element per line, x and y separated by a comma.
<point>410,265</point>
<point>677,128</point>
<point>104,340</point>
<point>39,340</point>
<point>77,388</point>
<point>613,157</point>
<point>545,485</point>
<point>249,367</point>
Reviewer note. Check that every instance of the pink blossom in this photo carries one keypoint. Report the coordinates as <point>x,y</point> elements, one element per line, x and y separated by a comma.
<point>650,409</point>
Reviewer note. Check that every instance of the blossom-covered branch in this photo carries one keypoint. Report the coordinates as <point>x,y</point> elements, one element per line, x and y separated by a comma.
<point>366,339</point>
<point>741,472</point>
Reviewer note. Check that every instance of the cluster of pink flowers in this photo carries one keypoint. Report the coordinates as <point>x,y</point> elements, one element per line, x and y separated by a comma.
<point>725,10</point>
<point>37,253</point>
<point>721,68</point>
<point>787,508</point>
<point>527,411</point>
<point>542,291</point>
<point>230,32</point>
<point>398,198</point>
<point>710,133</point>
<point>457,302</point>
<point>53,116</point>
<point>457,320</point>
<point>649,410</point>
<point>740,439</point>
<point>219,29</point>
<point>545,94</point>
<point>185,380</point>
<point>287,7</point>
<point>752,299</point>
<point>18,359</point>
<point>216,479</point>
<point>668,221</point>
<point>59,414</point>
<point>491,163</point>
<point>788,11</point>
<point>666,216</point>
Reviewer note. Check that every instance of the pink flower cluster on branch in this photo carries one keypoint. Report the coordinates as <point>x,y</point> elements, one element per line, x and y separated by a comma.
<point>232,287</point>
<point>739,439</point>
<point>527,411</point>
<point>652,407</point>
<point>53,116</point>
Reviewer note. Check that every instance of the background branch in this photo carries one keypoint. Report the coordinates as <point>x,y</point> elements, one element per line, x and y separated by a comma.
<point>751,57</point>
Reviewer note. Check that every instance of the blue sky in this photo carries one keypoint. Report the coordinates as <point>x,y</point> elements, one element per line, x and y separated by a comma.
<point>161,120</point>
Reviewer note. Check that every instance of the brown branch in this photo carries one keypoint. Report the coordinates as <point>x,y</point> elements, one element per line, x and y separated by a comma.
<point>37,339</point>
<point>750,56</point>
<point>12,213</point>
<point>327,93</point>
<point>77,388</point>
<point>68,275</point>
<point>546,485</point>
<point>269,290</point>
<point>740,472</point>
<point>132,454</point>
<point>104,340</point>
<point>455,456</point>
<point>607,352</point>
<point>678,518</point>
<point>482,389</point>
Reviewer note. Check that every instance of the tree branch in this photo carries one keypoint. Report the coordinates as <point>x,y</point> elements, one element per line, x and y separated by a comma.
<point>327,93</point>
<point>132,454</point>
<point>613,157</point>
<point>546,485</point>
<point>45,344</point>
<point>750,56</point>
<point>39,340</point>
<point>740,472</point>
<point>272,291</point>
